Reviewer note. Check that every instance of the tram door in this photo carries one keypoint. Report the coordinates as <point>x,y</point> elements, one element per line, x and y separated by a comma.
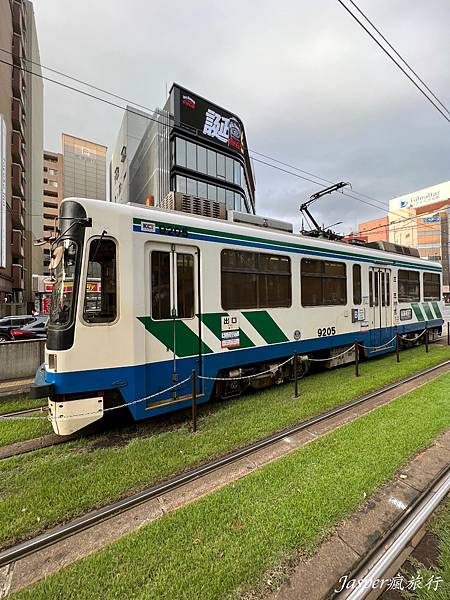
<point>174,306</point>
<point>380,304</point>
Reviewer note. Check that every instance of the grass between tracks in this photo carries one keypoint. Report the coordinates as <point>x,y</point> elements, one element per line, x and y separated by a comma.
<point>43,488</point>
<point>16,430</point>
<point>439,588</point>
<point>223,544</point>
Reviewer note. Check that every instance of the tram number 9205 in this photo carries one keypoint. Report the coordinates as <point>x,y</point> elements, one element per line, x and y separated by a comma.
<point>175,230</point>
<point>324,331</point>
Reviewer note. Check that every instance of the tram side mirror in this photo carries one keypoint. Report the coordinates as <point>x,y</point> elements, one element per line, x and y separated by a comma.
<point>56,257</point>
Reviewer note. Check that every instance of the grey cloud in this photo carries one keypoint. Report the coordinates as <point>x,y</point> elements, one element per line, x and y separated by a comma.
<point>312,88</point>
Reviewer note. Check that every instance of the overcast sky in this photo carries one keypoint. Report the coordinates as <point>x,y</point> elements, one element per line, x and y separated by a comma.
<point>311,87</point>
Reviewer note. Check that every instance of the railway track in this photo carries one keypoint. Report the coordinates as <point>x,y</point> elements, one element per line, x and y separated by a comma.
<point>388,554</point>
<point>25,411</point>
<point>51,537</point>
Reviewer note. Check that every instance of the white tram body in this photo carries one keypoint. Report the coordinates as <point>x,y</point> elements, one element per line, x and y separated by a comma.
<point>143,296</point>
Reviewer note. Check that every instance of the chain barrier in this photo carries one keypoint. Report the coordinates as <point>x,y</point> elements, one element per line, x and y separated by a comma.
<point>271,370</point>
<point>205,377</point>
<point>173,387</point>
<point>350,349</point>
<point>379,347</point>
<point>407,339</point>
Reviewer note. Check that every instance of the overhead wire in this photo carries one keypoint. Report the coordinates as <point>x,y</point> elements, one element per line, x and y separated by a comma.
<point>393,60</point>
<point>400,56</point>
<point>162,123</point>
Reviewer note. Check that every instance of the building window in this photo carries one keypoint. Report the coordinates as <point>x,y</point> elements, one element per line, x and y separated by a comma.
<point>324,283</point>
<point>181,152</point>
<point>237,173</point>
<point>255,280</point>
<point>100,299</point>
<point>221,195</point>
<point>52,172</point>
<point>201,159</point>
<point>191,187</point>
<point>212,192</point>
<point>212,167</point>
<point>229,199</point>
<point>431,286</point>
<point>181,184</point>
<point>229,169</point>
<point>191,156</point>
<point>408,286</point>
<point>202,189</point>
<point>53,184</point>
<point>221,166</point>
<point>356,284</point>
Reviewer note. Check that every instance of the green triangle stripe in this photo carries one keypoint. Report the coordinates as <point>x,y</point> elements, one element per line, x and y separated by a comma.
<point>266,326</point>
<point>185,339</point>
<point>437,310</point>
<point>214,323</point>
<point>417,312</point>
<point>427,309</point>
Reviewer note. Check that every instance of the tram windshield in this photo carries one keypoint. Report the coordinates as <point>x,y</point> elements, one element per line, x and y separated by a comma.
<point>64,260</point>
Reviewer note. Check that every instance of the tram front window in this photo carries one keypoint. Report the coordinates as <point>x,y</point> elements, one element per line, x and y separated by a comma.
<point>64,260</point>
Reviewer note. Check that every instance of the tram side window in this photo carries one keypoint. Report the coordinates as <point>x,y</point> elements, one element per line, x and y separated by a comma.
<point>100,299</point>
<point>431,286</point>
<point>408,286</point>
<point>324,283</point>
<point>160,276</point>
<point>160,285</point>
<point>255,280</point>
<point>356,284</point>
<point>185,286</point>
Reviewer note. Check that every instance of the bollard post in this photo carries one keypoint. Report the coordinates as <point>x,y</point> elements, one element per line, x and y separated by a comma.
<point>356,359</point>
<point>426,340</point>
<point>194,402</point>
<point>295,375</point>
<point>397,347</point>
<point>448,333</point>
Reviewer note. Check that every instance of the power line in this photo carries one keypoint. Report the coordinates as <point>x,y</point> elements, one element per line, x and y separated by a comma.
<point>400,56</point>
<point>343,192</point>
<point>393,60</point>
<point>72,78</point>
<point>155,112</point>
<point>164,124</point>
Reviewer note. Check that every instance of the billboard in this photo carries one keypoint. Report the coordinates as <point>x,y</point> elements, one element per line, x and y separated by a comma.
<point>212,123</point>
<point>436,193</point>
<point>3,154</point>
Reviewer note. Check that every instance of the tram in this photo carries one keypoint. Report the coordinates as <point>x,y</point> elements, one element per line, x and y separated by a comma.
<point>143,296</point>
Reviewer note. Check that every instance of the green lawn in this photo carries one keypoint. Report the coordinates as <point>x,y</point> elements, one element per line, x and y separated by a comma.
<point>225,543</point>
<point>43,488</point>
<point>17,430</point>
<point>21,403</point>
<point>440,526</point>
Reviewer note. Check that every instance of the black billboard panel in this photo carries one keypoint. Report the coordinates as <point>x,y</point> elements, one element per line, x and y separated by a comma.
<point>211,122</point>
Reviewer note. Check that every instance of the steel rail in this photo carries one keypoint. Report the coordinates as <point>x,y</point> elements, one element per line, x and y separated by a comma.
<point>379,560</point>
<point>49,538</point>
<point>25,411</point>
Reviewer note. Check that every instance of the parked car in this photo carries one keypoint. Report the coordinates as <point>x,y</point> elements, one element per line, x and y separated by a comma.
<point>7,324</point>
<point>36,329</point>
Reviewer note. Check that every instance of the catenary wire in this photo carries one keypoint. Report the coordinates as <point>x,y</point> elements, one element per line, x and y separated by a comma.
<point>405,62</point>
<point>393,60</point>
<point>154,112</point>
<point>162,123</point>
